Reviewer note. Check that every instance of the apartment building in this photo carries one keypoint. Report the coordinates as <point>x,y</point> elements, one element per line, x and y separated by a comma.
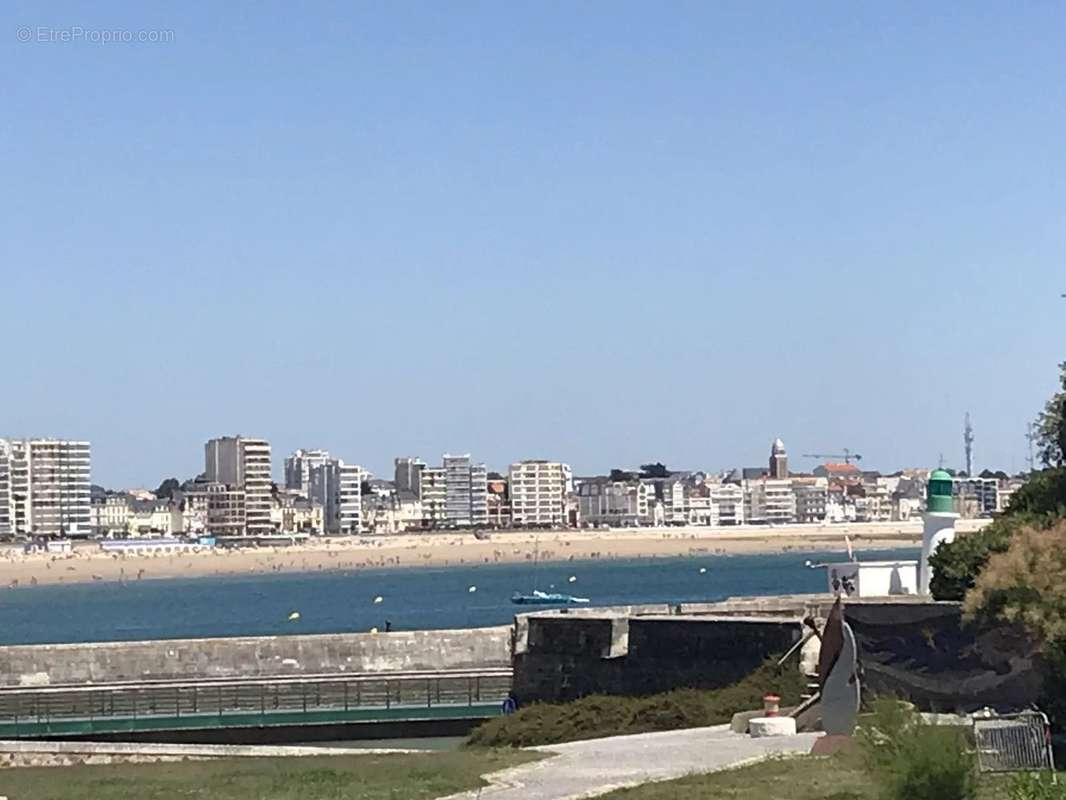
<point>298,468</point>
<point>499,503</point>
<point>466,492</point>
<point>538,493</point>
<point>976,497</point>
<point>243,463</point>
<point>602,501</point>
<point>44,488</point>
<point>434,496</point>
<point>154,518</point>
<point>770,501</point>
<point>223,506</point>
<point>110,515</point>
<point>812,497</point>
<point>728,500</point>
<point>337,487</point>
<point>407,475</point>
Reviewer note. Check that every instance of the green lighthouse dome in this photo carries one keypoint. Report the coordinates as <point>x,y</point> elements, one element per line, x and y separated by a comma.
<point>938,495</point>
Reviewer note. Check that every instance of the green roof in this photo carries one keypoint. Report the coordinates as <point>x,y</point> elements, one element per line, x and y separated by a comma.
<point>940,475</point>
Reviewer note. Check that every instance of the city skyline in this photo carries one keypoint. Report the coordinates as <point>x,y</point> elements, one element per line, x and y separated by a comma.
<point>607,234</point>
<point>798,462</point>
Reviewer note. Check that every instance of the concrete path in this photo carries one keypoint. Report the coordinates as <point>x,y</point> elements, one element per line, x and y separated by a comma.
<point>588,769</point>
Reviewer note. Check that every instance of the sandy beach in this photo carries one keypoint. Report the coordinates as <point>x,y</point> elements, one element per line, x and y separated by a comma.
<point>88,563</point>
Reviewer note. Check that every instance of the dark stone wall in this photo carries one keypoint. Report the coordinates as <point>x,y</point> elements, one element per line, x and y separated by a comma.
<point>921,651</point>
<point>667,654</point>
<point>927,654</point>
<point>568,658</point>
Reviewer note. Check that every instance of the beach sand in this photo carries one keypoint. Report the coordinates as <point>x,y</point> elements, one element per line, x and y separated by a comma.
<point>88,563</point>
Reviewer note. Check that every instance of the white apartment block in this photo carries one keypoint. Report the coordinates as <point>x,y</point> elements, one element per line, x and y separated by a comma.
<point>298,468</point>
<point>466,493</point>
<point>728,500</point>
<point>675,503</point>
<point>244,464</point>
<point>770,501</point>
<point>538,493</point>
<point>44,488</point>
<point>434,496</point>
<point>337,487</point>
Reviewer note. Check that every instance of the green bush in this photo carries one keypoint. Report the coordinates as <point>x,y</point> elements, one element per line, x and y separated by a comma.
<point>1035,786</point>
<point>911,760</point>
<point>611,715</point>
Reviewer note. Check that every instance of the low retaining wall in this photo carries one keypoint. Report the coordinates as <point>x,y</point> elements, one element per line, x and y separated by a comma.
<point>254,656</point>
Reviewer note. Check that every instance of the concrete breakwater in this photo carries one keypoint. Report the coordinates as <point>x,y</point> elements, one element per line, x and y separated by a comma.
<point>255,656</point>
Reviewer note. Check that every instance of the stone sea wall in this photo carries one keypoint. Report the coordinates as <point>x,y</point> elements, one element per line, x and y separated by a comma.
<point>254,656</point>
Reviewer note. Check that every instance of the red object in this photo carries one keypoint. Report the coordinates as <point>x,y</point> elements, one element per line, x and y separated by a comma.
<point>771,704</point>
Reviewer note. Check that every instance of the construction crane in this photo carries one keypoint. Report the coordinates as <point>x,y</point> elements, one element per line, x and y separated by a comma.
<point>847,456</point>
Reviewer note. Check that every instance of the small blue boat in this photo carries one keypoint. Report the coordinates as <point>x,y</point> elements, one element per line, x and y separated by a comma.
<point>537,598</point>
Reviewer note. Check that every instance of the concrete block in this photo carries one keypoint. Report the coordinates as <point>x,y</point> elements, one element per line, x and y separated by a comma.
<point>771,726</point>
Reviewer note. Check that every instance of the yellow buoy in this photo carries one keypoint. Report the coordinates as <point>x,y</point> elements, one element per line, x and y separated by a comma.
<point>378,600</point>
<point>472,589</point>
<point>295,615</point>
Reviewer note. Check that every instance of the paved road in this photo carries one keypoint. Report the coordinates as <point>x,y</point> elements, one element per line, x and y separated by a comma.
<point>589,769</point>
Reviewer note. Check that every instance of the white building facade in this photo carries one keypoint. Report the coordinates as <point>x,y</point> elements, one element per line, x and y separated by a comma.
<point>538,492</point>
<point>44,488</point>
<point>466,493</point>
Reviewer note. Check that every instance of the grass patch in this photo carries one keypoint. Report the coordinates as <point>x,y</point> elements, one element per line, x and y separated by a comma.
<point>369,777</point>
<point>610,715</point>
<point>842,777</point>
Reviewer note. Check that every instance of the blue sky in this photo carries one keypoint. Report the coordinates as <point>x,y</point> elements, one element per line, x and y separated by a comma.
<point>604,232</point>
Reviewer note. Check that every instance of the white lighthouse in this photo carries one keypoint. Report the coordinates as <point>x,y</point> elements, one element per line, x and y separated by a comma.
<point>939,523</point>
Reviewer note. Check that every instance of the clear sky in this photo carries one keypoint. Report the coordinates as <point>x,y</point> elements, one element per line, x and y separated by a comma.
<point>603,232</point>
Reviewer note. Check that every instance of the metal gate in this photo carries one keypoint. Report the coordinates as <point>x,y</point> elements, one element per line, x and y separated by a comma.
<point>1013,742</point>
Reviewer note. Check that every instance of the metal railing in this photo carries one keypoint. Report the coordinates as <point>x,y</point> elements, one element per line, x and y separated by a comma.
<point>262,697</point>
<point>1013,742</point>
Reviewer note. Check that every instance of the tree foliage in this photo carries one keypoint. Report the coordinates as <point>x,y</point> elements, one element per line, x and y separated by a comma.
<point>656,470</point>
<point>1026,583</point>
<point>1051,426</point>
<point>622,475</point>
<point>167,488</point>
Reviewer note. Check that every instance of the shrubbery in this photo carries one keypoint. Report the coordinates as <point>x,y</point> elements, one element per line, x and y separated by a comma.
<point>1036,786</point>
<point>608,715</point>
<point>915,761</point>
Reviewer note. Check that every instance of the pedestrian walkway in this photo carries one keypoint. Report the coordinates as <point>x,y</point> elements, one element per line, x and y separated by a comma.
<point>595,767</point>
